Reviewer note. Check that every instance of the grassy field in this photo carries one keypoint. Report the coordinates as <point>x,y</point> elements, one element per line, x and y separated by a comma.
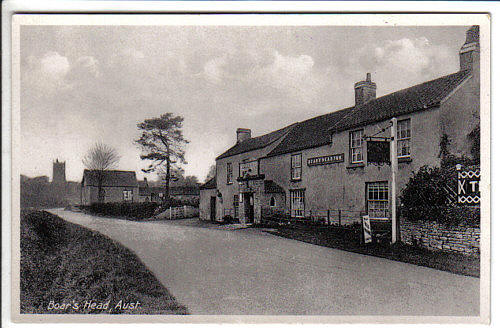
<point>349,240</point>
<point>66,268</point>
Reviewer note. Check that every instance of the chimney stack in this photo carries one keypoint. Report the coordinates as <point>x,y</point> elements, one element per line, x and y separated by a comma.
<point>469,53</point>
<point>364,91</point>
<point>243,134</point>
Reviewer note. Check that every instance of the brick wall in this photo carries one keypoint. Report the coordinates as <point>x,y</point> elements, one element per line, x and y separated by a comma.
<point>432,235</point>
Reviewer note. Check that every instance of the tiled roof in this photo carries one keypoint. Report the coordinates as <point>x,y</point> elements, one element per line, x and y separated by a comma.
<point>255,143</point>
<point>412,99</point>
<point>210,184</point>
<point>308,134</point>
<point>270,187</point>
<point>111,178</point>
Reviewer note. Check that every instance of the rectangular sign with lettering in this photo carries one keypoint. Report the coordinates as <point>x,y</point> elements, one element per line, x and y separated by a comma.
<point>323,160</point>
<point>468,186</point>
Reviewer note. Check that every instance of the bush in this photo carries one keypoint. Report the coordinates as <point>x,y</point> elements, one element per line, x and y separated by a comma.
<point>130,210</point>
<point>426,198</point>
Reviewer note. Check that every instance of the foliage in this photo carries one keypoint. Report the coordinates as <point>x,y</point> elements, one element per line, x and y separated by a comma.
<point>162,143</point>
<point>211,172</point>
<point>66,263</point>
<point>99,158</point>
<point>475,138</point>
<point>129,210</point>
<point>425,198</point>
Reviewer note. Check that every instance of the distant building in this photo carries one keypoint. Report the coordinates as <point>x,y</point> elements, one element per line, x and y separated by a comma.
<point>147,193</point>
<point>58,172</point>
<point>118,186</point>
<point>208,199</point>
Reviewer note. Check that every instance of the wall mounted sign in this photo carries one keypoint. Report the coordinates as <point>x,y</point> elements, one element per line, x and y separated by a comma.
<point>468,186</point>
<point>378,151</point>
<point>250,168</point>
<point>323,160</point>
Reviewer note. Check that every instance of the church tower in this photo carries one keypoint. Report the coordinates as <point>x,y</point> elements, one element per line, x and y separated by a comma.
<point>59,172</point>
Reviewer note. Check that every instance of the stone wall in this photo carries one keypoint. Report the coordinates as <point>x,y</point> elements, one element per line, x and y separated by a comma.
<point>435,236</point>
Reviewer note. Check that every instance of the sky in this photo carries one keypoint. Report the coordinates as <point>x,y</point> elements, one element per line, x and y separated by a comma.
<point>83,84</point>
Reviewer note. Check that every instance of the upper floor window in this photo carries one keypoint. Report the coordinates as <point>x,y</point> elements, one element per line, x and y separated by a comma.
<point>296,167</point>
<point>356,146</point>
<point>403,137</point>
<point>229,173</point>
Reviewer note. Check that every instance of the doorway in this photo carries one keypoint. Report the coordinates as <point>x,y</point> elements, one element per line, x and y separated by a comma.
<point>212,208</point>
<point>248,199</point>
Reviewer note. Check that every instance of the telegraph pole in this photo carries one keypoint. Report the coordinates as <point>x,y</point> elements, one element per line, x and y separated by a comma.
<point>394,172</point>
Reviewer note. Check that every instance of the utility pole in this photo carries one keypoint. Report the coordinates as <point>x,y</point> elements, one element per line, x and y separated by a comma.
<point>394,172</point>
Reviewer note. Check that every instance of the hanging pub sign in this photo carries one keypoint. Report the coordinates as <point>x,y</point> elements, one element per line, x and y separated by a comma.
<point>378,151</point>
<point>468,185</point>
<point>323,160</point>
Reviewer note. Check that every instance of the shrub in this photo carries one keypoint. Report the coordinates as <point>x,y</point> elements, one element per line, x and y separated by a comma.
<point>130,210</point>
<point>425,197</point>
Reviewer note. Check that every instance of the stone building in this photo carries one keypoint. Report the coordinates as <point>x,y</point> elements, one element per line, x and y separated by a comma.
<point>320,165</point>
<point>118,186</point>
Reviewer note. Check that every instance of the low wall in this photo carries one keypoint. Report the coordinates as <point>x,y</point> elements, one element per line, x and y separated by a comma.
<point>432,235</point>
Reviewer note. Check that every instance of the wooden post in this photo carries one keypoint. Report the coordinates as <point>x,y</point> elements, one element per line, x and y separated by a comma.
<point>394,172</point>
<point>185,211</point>
<point>170,210</point>
<point>328,217</point>
<point>340,216</point>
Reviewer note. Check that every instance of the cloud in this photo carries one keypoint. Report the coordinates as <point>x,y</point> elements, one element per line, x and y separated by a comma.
<point>54,65</point>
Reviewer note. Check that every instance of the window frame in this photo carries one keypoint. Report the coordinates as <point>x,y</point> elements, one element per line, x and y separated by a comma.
<point>128,195</point>
<point>406,138</point>
<point>360,147</point>
<point>301,195</point>
<point>229,173</point>
<point>294,169</point>
<point>378,200</point>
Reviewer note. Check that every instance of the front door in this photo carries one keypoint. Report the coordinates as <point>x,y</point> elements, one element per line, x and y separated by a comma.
<point>212,208</point>
<point>248,203</point>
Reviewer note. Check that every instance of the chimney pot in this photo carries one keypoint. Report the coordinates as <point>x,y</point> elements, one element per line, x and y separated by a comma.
<point>469,53</point>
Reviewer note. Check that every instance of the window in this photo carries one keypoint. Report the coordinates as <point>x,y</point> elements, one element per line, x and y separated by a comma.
<point>378,199</point>
<point>296,167</point>
<point>127,195</point>
<point>229,173</point>
<point>236,205</point>
<point>403,137</point>
<point>356,146</point>
<point>272,202</point>
<point>297,203</point>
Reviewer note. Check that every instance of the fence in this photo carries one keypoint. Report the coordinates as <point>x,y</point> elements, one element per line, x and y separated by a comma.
<point>339,217</point>
<point>179,212</point>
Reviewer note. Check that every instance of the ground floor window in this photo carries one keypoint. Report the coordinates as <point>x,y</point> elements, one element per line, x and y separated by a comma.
<point>127,195</point>
<point>377,199</point>
<point>236,205</point>
<point>297,199</point>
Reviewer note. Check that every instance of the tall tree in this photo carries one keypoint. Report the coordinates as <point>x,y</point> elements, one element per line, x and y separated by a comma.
<point>163,145</point>
<point>99,158</point>
<point>211,172</point>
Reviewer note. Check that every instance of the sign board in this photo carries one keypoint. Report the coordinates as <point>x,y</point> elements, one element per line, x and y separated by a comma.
<point>323,160</point>
<point>367,230</point>
<point>250,168</point>
<point>468,186</point>
<point>378,151</point>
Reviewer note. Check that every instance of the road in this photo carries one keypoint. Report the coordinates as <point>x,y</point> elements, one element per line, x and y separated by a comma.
<point>215,271</point>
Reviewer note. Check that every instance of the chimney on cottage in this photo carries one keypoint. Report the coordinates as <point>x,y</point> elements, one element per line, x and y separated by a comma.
<point>364,91</point>
<point>243,134</point>
<point>469,53</point>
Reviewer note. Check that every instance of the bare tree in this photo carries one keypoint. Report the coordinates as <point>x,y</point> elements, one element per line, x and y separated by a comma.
<point>163,144</point>
<point>99,158</point>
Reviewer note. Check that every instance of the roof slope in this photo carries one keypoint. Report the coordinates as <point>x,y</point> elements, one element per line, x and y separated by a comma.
<point>255,143</point>
<point>210,184</point>
<point>308,134</point>
<point>111,178</point>
<point>409,100</point>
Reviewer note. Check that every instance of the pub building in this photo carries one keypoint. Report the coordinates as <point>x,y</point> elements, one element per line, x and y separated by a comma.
<point>330,163</point>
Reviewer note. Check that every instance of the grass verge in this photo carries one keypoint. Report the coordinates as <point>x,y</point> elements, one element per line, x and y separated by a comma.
<point>349,240</point>
<point>65,264</point>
